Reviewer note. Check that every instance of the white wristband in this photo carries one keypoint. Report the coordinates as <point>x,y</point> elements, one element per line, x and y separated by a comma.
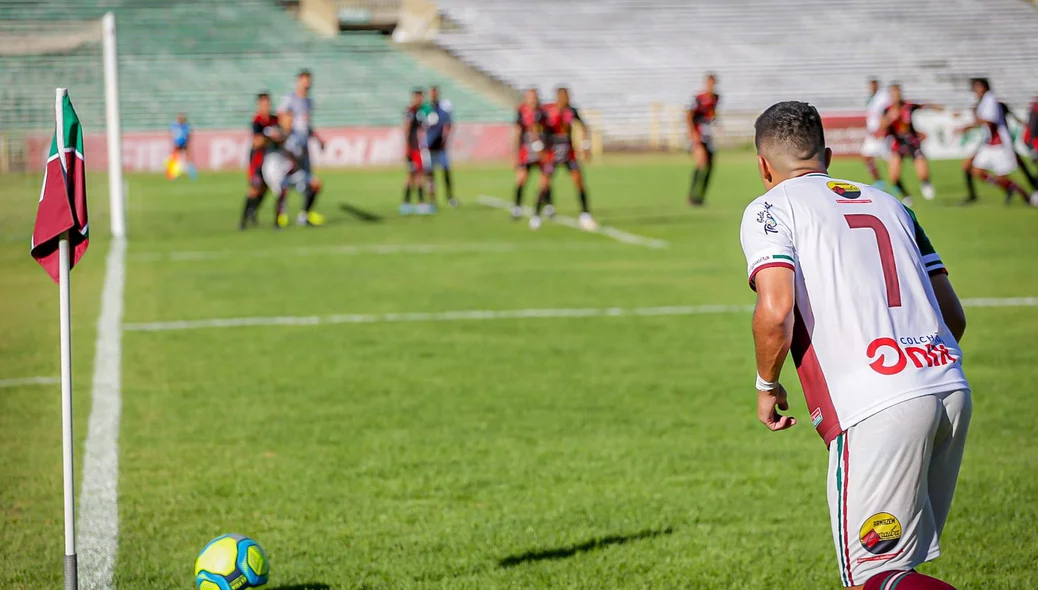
<point>763,385</point>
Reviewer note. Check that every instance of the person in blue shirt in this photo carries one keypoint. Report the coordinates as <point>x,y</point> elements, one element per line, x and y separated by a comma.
<point>180,134</point>
<point>438,123</point>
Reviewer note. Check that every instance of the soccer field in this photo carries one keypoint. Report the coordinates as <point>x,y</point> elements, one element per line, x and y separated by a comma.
<point>458,402</point>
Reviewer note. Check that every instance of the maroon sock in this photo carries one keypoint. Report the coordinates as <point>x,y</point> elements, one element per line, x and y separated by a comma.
<point>905,581</point>
<point>873,170</point>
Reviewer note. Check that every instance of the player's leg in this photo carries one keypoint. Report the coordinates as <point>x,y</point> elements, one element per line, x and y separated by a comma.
<point>993,164</point>
<point>522,174</point>
<point>922,170</point>
<point>310,191</point>
<point>1021,164</point>
<point>878,490</point>
<point>956,414</point>
<point>586,221</point>
<point>894,170</point>
<point>443,161</point>
<point>275,171</point>
<point>709,169</point>
<point>699,156</point>
<point>971,189</point>
<point>544,193</point>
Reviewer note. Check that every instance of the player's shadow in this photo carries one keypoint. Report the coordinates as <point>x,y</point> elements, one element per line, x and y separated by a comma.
<point>362,215</point>
<point>585,547</point>
<point>306,586</point>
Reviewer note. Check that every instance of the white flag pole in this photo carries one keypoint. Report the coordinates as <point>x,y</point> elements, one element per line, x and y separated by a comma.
<point>68,471</point>
<point>117,199</point>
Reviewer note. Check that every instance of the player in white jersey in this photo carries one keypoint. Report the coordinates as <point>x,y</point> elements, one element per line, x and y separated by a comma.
<point>995,159</point>
<point>847,281</point>
<point>282,169</point>
<point>877,145</point>
<point>298,106</point>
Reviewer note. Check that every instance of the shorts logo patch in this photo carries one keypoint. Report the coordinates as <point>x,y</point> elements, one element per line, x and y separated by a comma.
<point>846,190</point>
<point>880,533</point>
<point>816,417</point>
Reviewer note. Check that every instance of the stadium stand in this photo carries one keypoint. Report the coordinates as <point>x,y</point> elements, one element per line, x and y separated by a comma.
<point>621,56</point>
<point>207,58</point>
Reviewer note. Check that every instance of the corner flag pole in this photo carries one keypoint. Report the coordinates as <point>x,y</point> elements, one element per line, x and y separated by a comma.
<point>67,441</point>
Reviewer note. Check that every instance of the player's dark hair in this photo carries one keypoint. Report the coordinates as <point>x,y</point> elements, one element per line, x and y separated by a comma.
<point>793,125</point>
<point>982,81</point>
<point>262,95</point>
<point>872,80</point>
<point>712,76</point>
<point>303,72</point>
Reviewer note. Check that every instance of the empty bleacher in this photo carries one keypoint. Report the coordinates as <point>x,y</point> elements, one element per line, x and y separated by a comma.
<point>208,58</point>
<point>620,56</point>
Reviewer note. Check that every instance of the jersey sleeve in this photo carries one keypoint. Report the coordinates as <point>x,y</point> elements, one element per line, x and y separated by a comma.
<point>988,109</point>
<point>257,127</point>
<point>767,237</point>
<point>285,105</point>
<point>931,260</point>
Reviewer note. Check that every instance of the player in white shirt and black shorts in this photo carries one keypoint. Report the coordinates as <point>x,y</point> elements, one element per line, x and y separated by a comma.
<point>995,159</point>
<point>877,144</point>
<point>848,282</point>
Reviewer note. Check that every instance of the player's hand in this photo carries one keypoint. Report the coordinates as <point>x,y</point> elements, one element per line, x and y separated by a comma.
<point>768,404</point>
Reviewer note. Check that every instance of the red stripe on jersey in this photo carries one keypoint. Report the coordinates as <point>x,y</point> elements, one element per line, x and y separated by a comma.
<point>816,390</point>
<point>768,265</point>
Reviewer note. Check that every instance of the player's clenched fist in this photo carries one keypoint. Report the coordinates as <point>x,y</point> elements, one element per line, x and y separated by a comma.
<point>768,404</point>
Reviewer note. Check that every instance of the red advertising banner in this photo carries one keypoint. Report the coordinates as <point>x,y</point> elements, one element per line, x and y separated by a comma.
<point>343,147</point>
<point>844,133</point>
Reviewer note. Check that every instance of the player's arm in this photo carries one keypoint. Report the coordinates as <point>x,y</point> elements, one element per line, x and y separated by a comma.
<point>448,124</point>
<point>767,242</point>
<point>406,128</point>
<point>585,144</point>
<point>690,119</point>
<point>947,300</point>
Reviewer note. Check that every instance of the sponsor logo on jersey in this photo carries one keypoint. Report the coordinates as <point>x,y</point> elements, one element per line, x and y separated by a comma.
<point>880,533</point>
<point>767,219</point>
<point>816,417</point>
<point>845,190</point>
<point>890,357</point>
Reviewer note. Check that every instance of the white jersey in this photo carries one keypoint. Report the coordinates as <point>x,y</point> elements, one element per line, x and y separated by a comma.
<point>989,111</point>
<point>874,109</point>
<point>868,332</point>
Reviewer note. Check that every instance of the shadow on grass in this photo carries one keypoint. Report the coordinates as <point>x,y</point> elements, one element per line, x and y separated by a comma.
<point>591,545</point>
<point>360,214</point>
<point>306,586</point>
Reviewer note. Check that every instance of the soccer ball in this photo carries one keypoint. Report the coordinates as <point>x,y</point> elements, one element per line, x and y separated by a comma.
<point>231,562</point>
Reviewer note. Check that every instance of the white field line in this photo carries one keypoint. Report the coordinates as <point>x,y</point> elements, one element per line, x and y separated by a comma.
<point>98,523</point>
<point>612,232</point>
<point>484,314</point>
<point>29,381</point>
<point>373,249</point>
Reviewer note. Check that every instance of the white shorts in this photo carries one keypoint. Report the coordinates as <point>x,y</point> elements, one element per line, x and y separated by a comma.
<point>999,159</point>
<point>278,174</point>
<point>875,147</point>
<point>891,481</point>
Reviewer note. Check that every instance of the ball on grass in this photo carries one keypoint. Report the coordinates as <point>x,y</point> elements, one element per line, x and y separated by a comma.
<point>231,562</point>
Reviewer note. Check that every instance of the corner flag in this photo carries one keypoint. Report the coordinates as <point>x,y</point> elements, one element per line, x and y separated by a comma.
<point>63,206</point>
<point>59,240</point>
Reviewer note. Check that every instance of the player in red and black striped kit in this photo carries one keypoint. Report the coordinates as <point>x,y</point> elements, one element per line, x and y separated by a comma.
<point>415,154</point>
<point>700,118</point>
<point>530,123</point>
<point>561,117</point>
<point>906,142</point>
<point>265,130</point>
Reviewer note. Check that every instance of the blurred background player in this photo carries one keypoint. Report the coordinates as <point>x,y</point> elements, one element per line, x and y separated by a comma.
<point>560,119</point>
<point>415,154</point>
<point>530,123</point>
<point>995,159</point>
<point>1021,159</point>
<point>700,118</point>
<point>277,164</point>
<point>1031,133</point>
<point>265,132</point>
<point>300,106</point>
<point>180,158</point>
<point>906,142</point>
<point>438,124</point>
<point>877,144</point>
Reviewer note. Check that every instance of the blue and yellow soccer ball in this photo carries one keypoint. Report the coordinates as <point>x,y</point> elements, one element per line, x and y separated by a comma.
<point>231,562</point>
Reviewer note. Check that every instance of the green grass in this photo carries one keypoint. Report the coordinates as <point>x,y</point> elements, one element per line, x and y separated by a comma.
<point>609,452</point>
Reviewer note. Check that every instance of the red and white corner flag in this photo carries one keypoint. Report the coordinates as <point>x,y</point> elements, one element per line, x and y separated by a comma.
<point>63,205</point>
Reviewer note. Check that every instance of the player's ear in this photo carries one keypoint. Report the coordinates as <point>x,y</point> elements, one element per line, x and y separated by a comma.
<point>765,170</point>
<point>828,157</point>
